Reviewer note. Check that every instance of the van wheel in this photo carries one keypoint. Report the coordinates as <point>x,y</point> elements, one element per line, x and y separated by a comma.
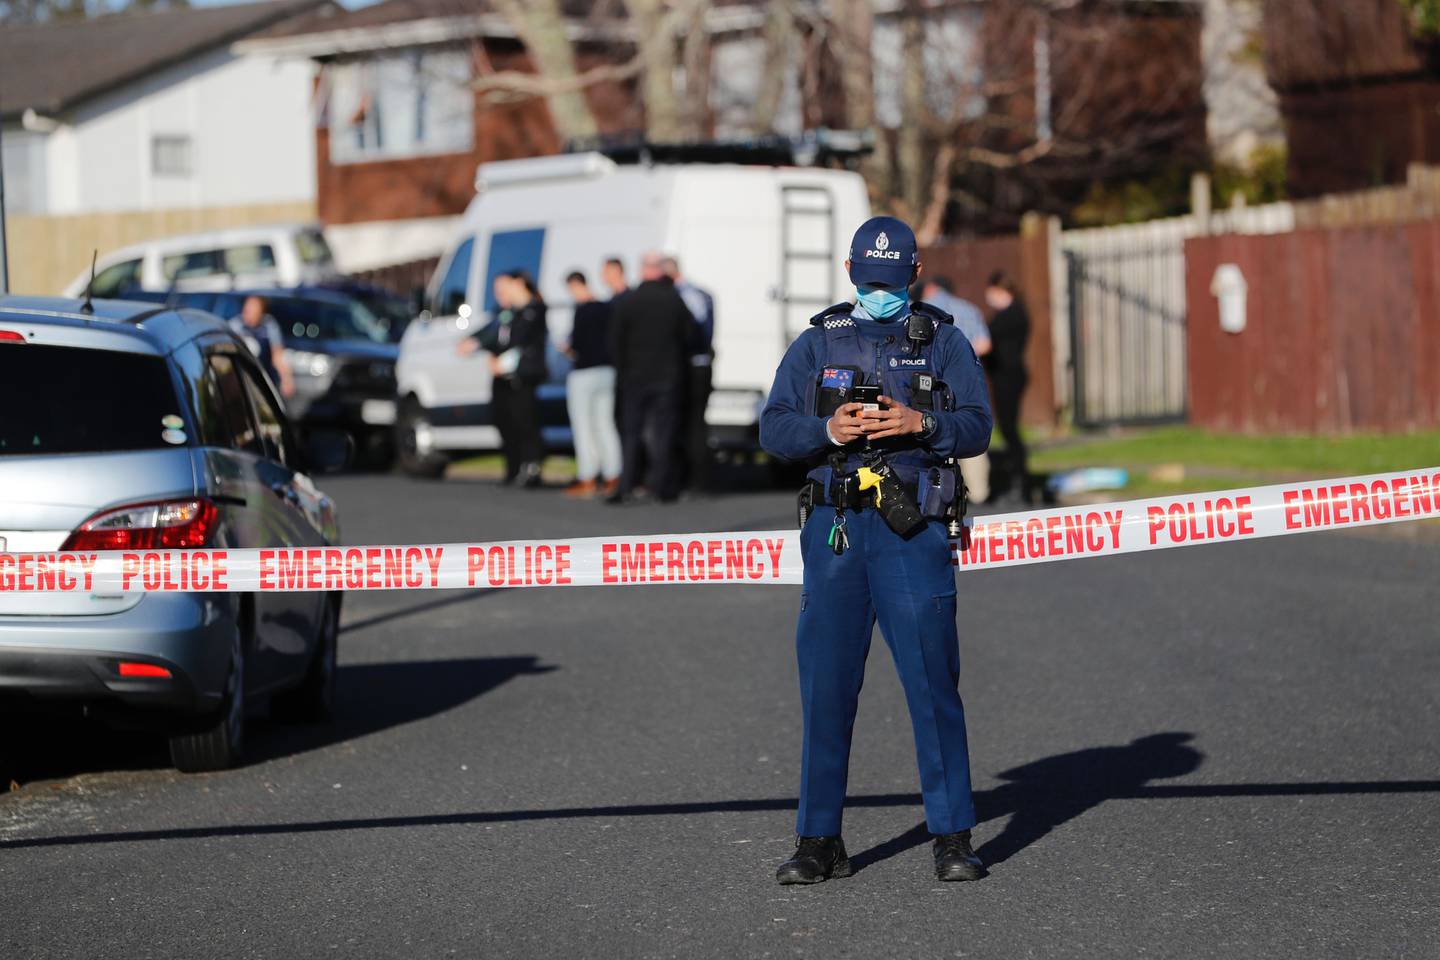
<point>314,700</point>
<point>218,745</point>
<point>412,443</point>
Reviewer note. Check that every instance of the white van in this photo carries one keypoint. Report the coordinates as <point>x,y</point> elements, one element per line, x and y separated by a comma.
<point>768,242</point>
<point>283,255</point>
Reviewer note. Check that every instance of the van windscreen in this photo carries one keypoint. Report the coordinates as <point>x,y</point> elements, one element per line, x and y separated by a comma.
<point>76,400</point>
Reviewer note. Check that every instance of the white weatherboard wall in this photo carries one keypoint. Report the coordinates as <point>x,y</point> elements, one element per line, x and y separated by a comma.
<point>248,121</point>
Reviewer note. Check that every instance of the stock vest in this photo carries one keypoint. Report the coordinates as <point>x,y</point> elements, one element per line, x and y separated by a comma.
<point>892,363</point>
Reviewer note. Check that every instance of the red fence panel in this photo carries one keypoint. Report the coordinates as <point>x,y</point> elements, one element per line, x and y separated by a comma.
<point>1342,331</point>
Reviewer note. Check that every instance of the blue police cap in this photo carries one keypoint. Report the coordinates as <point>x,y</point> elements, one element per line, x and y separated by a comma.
<point>883,250</point>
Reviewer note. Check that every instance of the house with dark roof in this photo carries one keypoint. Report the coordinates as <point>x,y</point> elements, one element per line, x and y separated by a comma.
<point>1358,89</point>
<point>154,111</point>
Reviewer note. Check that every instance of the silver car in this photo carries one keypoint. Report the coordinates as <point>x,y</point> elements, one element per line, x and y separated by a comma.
<point>132,427</point>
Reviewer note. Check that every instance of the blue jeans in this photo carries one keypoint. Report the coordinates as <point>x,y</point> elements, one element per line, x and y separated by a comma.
<point>909,587</point>
<point>590,399</point>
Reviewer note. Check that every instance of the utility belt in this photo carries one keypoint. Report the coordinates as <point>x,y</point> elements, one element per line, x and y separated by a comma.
<point>906,508</point>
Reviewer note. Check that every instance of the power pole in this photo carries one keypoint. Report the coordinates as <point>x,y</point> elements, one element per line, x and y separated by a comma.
<point>4,250</point>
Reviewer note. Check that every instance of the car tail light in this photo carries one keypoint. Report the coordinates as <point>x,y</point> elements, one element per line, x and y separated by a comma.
<point>129,668</point>
<point>167,524</point>
<point>11,336</point>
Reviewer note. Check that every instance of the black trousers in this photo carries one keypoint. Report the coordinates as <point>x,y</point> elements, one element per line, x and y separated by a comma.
<point>650,420</point>
<point>517,415</point>
<point>1009,390</point>
<point>696,439</point>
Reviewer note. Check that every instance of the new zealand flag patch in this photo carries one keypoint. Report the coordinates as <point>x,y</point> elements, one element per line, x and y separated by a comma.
<point>837,378</point>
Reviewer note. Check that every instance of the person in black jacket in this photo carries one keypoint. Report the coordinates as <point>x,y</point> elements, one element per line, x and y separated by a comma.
<point>1009,335</point>
<point>516,341</point>
<point>649,338</point>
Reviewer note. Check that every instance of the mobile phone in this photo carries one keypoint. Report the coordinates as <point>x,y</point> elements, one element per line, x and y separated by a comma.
<point>868,396</point>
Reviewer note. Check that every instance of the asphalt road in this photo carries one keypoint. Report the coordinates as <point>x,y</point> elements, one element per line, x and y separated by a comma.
<point>1222,751</point>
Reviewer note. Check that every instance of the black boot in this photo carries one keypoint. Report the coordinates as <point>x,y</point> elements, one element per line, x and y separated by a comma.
<point>955,859</point>
<point>816,859</point>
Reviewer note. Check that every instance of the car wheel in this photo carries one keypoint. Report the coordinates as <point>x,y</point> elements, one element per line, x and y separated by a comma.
<point>314,699</point>
<point>218,744</point>
<point>376,449</point>
<point>412,443</point>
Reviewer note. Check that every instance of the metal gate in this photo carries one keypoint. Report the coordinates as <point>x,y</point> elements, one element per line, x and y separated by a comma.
<point>1127,330</point>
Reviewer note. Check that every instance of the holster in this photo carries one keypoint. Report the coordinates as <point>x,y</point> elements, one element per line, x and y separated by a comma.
<point>811,494</point>
<point>892,501</point>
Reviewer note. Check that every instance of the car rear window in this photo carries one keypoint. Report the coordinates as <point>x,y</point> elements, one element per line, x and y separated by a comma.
<point>76,400</point>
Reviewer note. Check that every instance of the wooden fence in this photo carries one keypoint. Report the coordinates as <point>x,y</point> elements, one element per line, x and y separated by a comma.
<point>1342,331</point>
<point>968,264</point>
<point>47,252</point>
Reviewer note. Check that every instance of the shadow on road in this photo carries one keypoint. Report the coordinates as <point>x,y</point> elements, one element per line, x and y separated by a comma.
<point>1048,793</point>
<point>415,608</point>
<point>370,697</point>
<point>1041,795</point>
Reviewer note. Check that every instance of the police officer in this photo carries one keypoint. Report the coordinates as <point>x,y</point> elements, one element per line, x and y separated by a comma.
<point>885,558</point>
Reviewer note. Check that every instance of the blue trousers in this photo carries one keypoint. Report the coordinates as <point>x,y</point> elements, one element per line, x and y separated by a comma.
<point>909,587</point>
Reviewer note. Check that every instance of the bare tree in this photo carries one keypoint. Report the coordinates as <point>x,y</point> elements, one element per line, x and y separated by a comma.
<point>695,116</point>
<point>654,28</point>
<point>851,27</point>
<point>779,58</point>
<point>910,146</point>
<point>1006,105</point>
<point>541,27</point>
<point>655,34</point>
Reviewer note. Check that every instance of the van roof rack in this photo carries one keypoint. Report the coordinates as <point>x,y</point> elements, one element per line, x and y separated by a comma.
<point>819,147</point>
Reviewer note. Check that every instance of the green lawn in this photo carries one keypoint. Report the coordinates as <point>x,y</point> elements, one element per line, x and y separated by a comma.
<point>1174,459</point>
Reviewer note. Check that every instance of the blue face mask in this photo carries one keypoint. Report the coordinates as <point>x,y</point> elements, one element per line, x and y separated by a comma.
<point>881,303</point>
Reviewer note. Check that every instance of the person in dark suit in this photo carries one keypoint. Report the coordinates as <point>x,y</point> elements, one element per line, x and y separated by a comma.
<point>1005,363</point>
<point>650,336</point>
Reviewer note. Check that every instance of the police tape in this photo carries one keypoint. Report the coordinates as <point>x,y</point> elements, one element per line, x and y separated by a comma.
<point>765,557</point>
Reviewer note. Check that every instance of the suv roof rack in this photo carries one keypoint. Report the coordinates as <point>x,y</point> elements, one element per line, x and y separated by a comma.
<point>819,147</point>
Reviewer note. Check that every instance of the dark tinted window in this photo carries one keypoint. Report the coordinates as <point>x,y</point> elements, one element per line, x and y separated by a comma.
<point>204,263</point>
<point>272,429</point>
<point>302,319</point>
<point>229,393</point>
<point>511,250</point>
<point>75,400</point>
<point>457,276</point>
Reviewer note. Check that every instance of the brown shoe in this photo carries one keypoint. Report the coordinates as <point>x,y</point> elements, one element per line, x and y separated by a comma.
<point>610,487</point>
<point>581,489</point>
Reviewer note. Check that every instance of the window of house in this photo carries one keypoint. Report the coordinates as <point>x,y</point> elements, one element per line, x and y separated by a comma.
<point>170,155</point>
<point>22,155</point>
<point>406,104</point>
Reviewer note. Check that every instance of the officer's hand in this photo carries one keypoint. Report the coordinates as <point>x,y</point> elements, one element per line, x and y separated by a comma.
<point>846,424</point>
<point>893,419</point>
<point>467,346</point>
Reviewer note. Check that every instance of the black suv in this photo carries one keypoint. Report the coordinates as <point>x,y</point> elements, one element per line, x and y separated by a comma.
<point>342,356</point>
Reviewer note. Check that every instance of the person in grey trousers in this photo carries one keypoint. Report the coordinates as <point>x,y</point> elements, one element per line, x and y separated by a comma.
<point>590,395</point>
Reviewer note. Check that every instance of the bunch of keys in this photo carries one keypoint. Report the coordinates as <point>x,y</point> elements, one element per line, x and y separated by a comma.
<point>838,540</point>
